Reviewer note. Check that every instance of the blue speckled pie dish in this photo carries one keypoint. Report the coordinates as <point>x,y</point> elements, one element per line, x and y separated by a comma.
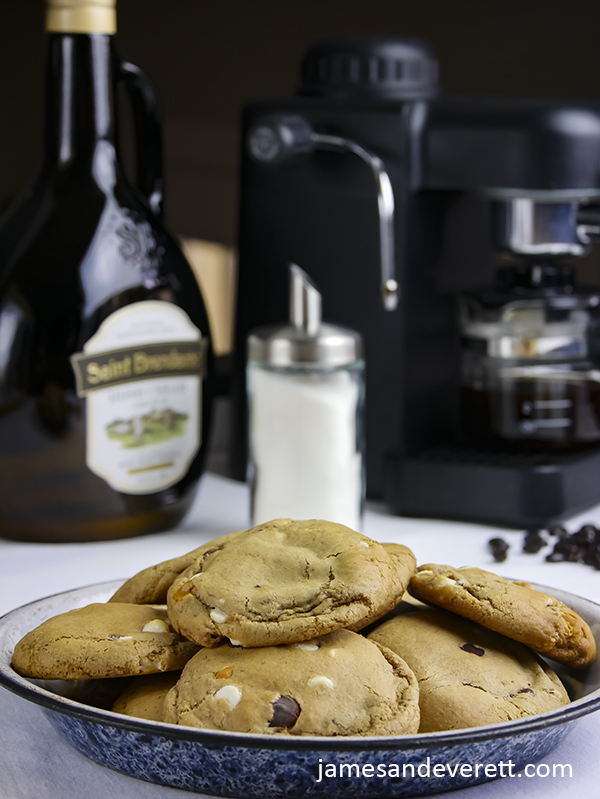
<point>264,766</point>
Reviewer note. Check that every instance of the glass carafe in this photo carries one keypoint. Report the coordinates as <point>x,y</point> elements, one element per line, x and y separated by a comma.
<point>529,376</point>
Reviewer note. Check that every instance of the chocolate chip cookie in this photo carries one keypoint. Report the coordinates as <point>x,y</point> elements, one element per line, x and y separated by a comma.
<point>469,676</point>
<point>514,609</point>
<point>285,581</point>
<point>102,640</point>
<point>151,585</point>
<point>145,697</point>
<point>336,684</point>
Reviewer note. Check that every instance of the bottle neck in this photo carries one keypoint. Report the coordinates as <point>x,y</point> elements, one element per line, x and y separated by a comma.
<point>80,104</point>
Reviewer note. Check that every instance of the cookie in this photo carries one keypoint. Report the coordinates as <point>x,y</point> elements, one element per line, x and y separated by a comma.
<point>514,609</point>
<point>469,676</point>
<point>405,565</point>
<point>282,582</point>
<point>336,684</point>
<point>145,697</point>
<point>150,585</point>
<point>102,640</point>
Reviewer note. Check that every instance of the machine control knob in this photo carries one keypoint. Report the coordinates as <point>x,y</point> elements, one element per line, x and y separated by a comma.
<point>280,139</point>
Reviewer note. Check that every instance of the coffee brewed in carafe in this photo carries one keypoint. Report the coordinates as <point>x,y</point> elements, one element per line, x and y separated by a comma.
<point>529,378</point>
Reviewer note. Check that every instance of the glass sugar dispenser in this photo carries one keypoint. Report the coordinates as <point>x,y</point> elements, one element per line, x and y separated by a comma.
<point>306,405</point>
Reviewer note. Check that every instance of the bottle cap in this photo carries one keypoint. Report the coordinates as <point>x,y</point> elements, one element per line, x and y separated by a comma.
<point>81,16</point>
<point>306,342</point>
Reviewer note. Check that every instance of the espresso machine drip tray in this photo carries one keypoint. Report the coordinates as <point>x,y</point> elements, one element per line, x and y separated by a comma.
<point>511,489</point>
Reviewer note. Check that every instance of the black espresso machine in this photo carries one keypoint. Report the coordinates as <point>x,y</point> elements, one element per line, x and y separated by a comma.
<point>448,231</point>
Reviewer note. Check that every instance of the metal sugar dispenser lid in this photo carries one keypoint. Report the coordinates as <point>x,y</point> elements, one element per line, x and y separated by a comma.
<point>306,342</point>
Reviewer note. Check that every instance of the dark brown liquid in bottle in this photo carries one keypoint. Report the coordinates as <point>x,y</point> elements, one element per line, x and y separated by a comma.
<point>81,245</point>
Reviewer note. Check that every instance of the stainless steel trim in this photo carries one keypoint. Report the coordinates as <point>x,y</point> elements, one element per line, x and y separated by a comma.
<point>390,290</point>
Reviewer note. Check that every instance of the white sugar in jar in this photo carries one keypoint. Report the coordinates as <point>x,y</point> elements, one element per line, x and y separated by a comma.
<point>306,416</point>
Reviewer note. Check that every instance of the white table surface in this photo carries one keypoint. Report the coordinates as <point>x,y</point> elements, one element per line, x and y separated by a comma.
<point>36,763</point>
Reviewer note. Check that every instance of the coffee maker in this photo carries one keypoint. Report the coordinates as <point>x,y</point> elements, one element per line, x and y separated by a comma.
<point>447,231</point>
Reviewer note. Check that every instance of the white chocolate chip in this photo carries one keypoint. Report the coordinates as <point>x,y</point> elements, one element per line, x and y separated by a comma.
<point>444,580</point>
<point>230,693</point>
<point>233,642</point>
<point>425,571</point>
<point>307,647</point>
<point>218,616</point>
<point>315,681</point>
<point>119,637</point>
<point>156,626</point>
<point>363,544</point>
<point>159,607</point>
<point>447,580</point>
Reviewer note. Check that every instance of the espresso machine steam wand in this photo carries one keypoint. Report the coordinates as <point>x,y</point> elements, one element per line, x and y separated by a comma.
<point>279,140</point>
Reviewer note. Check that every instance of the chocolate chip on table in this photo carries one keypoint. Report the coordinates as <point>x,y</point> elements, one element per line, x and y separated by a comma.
<point>285,712</point>
<point>586,535</point>
<point>564,551</point>
<point>498,548</point>
<point>533,541</point>
<point>473,650</point>
<point>570,549</point>
<point>556,557</point>
<point>591,556</point>
<point>558,530</point>
<point>582,546</point>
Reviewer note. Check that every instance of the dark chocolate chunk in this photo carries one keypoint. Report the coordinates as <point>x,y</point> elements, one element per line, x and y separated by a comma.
<point>285,712</point>
<point>498,548</point>
<point>556,557</point>
<point>568,548</point>
<point>557,530</point>
<point>591,556</point>
<point>588,534</point>
<point>473,650</point>
<point>533,541</point>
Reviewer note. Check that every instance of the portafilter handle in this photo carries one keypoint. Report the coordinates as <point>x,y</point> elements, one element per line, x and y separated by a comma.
<point>286,139</point>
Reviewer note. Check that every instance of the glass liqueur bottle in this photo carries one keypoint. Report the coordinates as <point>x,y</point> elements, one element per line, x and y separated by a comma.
<point>106,372</point>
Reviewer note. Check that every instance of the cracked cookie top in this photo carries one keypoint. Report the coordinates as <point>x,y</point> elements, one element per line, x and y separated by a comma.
<point>514,609</point>
<point>286,581</point>
<point>151,584</point>
<point>469,676</point>
<point>335,684</point>
<point>102,640</point>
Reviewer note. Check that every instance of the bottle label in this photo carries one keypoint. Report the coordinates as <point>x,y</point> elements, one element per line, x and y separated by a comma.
<point>141,375</point>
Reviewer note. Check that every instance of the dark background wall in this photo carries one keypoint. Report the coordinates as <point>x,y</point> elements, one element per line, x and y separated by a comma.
<point>209,56</point>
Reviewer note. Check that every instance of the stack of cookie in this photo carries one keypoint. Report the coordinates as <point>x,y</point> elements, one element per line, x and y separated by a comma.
<point>473,659</point>
<point>258,632</point>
